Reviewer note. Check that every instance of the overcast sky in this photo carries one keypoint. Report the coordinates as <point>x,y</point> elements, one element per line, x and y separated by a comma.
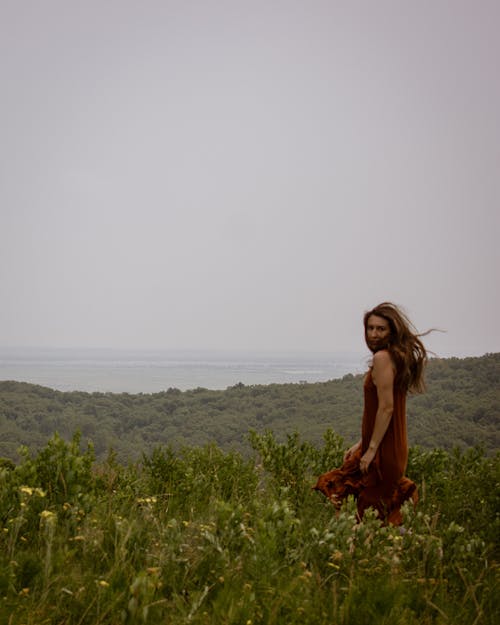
<point>248,174</point>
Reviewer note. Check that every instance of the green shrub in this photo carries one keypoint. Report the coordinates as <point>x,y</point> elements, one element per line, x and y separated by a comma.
<point>206,537</point>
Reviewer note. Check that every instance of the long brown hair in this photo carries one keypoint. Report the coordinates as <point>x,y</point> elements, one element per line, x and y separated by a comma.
<point>405,347</point>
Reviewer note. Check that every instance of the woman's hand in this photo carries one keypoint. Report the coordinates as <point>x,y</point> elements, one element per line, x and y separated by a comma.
<point>352,450</point>
<point>366,459</point>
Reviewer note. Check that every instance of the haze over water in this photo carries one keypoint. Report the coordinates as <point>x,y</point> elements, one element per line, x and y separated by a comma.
<point>150,371</point>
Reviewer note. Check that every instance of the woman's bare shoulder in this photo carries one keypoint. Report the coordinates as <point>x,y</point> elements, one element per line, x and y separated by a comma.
<point>382,359</point>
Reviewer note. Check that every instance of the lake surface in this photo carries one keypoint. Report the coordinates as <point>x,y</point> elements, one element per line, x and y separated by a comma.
<point>150,371</point>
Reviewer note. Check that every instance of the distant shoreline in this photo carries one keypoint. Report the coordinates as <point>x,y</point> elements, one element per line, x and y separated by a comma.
<point>147,371</point>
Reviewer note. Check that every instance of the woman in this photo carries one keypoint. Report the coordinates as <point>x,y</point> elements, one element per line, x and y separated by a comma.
<point>373,468</point>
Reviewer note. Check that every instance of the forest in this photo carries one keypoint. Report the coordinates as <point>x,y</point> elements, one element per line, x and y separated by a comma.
<point>459,409</point>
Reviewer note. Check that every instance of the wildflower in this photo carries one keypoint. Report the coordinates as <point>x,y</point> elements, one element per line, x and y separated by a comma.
<point>205,528</point>
<point>337,555</point>
<point>27,490</point>
<point>146,500</point>
<point>153,570</point>
<point>47,515</point>
<point>103,583</point>
<point>24,592</point>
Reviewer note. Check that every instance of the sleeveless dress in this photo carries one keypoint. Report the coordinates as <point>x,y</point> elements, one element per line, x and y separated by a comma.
<point>384,486</point>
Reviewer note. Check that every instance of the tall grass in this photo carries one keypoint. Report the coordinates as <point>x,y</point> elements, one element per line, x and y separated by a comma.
<point>207,537</point>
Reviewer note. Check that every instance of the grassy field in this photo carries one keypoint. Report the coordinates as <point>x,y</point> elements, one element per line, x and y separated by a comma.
<point>204,536</point>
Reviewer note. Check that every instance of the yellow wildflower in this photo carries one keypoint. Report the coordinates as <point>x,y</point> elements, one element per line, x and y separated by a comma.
<point>146,500</point>
<point>47,514</point>
<point>153,570</point>
<point>27,490</point>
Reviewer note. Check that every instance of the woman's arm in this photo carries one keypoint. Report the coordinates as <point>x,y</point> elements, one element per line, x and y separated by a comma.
<point>383,378</point>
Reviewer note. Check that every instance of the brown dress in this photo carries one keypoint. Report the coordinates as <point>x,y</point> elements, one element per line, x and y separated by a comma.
<point>384,486</point>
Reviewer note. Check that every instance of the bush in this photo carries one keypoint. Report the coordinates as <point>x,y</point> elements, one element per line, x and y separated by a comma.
<point>203,536</point>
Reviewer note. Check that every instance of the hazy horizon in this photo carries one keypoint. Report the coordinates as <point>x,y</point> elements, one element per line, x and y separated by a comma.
<point>221,352</point>
<point>137,371</point>
<point>149,371</point>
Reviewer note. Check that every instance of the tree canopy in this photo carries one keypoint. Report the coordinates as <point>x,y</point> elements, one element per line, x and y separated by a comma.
<point>460,408</point>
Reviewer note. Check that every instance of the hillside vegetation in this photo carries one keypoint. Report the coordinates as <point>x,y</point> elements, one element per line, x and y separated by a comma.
<point>188,531</point>
<point>206,537</point>
<point>460,408</point>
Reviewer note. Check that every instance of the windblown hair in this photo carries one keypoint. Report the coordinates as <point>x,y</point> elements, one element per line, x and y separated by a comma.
<point>405,347</point>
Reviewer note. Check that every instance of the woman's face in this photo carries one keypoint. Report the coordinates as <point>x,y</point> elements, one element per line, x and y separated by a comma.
<point>377,333</point>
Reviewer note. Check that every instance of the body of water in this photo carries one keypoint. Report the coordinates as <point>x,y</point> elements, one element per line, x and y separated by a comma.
<point>141,371</point>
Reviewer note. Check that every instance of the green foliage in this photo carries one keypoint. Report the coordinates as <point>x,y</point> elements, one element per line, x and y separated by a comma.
<point>59,469</point>
<point>450,487</point>
<point>293,464</point>
<point>460,409</point>
<point>198,475</point>
<point>204,536</point>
